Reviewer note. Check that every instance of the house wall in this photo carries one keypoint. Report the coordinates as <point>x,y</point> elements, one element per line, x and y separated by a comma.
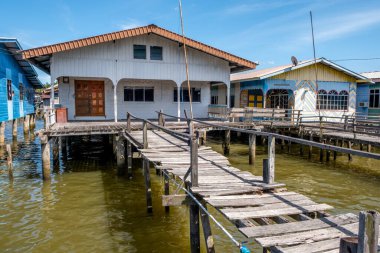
<point>9,69</point>
<point>362,95</point>
<point>304,90</point>
<point>114,61</point>
<point>373,111</point>
<point>67,99</point>
<point>163,99</point>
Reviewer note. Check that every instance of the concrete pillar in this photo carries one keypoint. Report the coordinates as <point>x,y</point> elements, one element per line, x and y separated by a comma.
<point>14,128</point>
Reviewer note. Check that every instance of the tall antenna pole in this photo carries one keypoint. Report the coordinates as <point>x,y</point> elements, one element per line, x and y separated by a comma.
<point>315,63</point>
<point>186,61</point>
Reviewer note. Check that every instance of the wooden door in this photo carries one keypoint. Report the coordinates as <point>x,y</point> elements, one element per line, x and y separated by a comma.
<point>89,98</point>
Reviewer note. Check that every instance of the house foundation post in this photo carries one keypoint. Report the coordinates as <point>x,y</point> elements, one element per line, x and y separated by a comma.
<point>45,150</point>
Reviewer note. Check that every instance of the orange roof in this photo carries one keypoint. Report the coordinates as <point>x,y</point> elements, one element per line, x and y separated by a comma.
<point>34,53</point>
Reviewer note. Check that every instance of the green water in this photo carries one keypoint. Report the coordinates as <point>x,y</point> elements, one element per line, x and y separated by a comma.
<point>88,208</point>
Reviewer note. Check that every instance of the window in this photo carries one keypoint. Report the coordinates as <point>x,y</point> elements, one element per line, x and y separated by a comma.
<point>332,100</point>
<point>184,93</point>
<point>139,51</point>
<point>139,94</point>
<point>9,89</point>
<point>232,101</point>
<point>21,91</point>
<point>214,100</point>
<point>374,98</point>
<point>278,98</point>
<point>156,53</point>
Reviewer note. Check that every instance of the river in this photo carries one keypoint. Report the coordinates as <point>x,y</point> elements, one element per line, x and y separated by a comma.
<point>87,208</point>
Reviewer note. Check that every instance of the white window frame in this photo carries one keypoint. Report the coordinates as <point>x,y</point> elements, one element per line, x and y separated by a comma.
<point>369,98</point>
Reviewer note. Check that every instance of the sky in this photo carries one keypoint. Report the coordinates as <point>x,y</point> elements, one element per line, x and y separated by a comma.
<point>268,32</point>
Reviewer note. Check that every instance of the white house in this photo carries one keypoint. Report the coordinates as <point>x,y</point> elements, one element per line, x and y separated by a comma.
<point>139,70</point>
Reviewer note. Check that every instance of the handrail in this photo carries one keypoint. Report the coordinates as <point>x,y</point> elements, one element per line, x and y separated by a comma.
<point>171,132</point>
<point>287,138</point>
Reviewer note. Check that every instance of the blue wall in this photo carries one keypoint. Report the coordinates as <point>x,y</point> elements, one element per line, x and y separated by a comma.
<point>362,95</point>
<point>9,68</point>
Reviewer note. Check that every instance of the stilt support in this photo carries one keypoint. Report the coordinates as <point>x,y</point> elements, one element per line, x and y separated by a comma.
<point>349,145</point>
<point>120,155</point>
<point>9,161</point>
<point>129,159</point>
<point>26,124</point>
<point>148,189</point>
<point>45,149</point>
<point>252,148</point>
<point>14,129</point>
<point>194,228</point>
<point>166,187</point>
<point>2,133</point>
<point>209,240</point>
<point>226,142</point>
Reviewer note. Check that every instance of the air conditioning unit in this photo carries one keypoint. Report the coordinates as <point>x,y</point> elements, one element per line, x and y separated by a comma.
<point>363,104</point>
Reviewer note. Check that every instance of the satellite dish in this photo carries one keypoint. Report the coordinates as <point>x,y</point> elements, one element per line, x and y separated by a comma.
<point>294,60</point>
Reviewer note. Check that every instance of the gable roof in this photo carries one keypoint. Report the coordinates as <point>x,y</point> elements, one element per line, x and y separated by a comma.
<point>269,72</point>
<point>40,56</point>
<point>13,46</point>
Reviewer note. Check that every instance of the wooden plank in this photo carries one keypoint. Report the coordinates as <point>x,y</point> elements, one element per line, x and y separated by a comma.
<point>277,212</point>
<point>300,226</point>
<point>240,202</point>
<point>310,236</point>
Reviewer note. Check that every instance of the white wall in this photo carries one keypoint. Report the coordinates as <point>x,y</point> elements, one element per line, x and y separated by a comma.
<point>67,98</point>
<point>163,99</point>
<point>114,60</point>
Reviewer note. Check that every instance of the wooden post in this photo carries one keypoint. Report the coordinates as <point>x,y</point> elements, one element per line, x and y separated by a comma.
<point>226,142</point>
<point>348,245</point>
<point>320,127</point>
<point>129,128</point>
<point>328,155</point>
<point>55,152</point>
<point>63,143</point>
<point>268,173</point>
<point>9,161</point>
<point>47,120</point>
<point>148,189</point>
<point>166,187</point>
<point>194,158</point>
<point>349,145</point>
<point>145,135</point>
<point>2,133</point>
<point>335,153</point>
<point>14,128</point>
<point>120,155</point>
<point>271,122</point>
<point>301,146</point>
<point>129,159</point>
<point>321,151</point>
<point>26,124</point>
<point>346,122</point>
<point>368,231</point>
<point>310,146</point>
<point>31,125</point>
<point>45,150</point>
<point>289,147</point>
<point>369,147</point>
<point>209,240</point>
<point>194,228</point>
<point>252,148</point>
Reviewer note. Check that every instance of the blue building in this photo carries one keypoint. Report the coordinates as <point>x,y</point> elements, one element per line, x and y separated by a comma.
<point>368,102</point>
<point>294,87</point>
<point>18,79</point>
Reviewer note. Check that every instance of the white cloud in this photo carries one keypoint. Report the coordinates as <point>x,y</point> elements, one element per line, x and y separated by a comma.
<point>348,24</point>
<point>130,23</point>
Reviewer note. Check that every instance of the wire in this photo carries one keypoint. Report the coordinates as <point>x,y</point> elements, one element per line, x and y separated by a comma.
<point>358,59</point>
<point>236,242</point>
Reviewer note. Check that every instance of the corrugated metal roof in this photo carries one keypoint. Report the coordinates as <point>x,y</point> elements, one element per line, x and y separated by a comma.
<point>35,54</point>
<point>13,47</point>
<point>265,73</point>
<point>374,75</point>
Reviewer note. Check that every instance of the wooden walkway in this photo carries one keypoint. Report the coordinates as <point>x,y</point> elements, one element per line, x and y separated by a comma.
<point>108,127</point>
<point>277,219</point>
